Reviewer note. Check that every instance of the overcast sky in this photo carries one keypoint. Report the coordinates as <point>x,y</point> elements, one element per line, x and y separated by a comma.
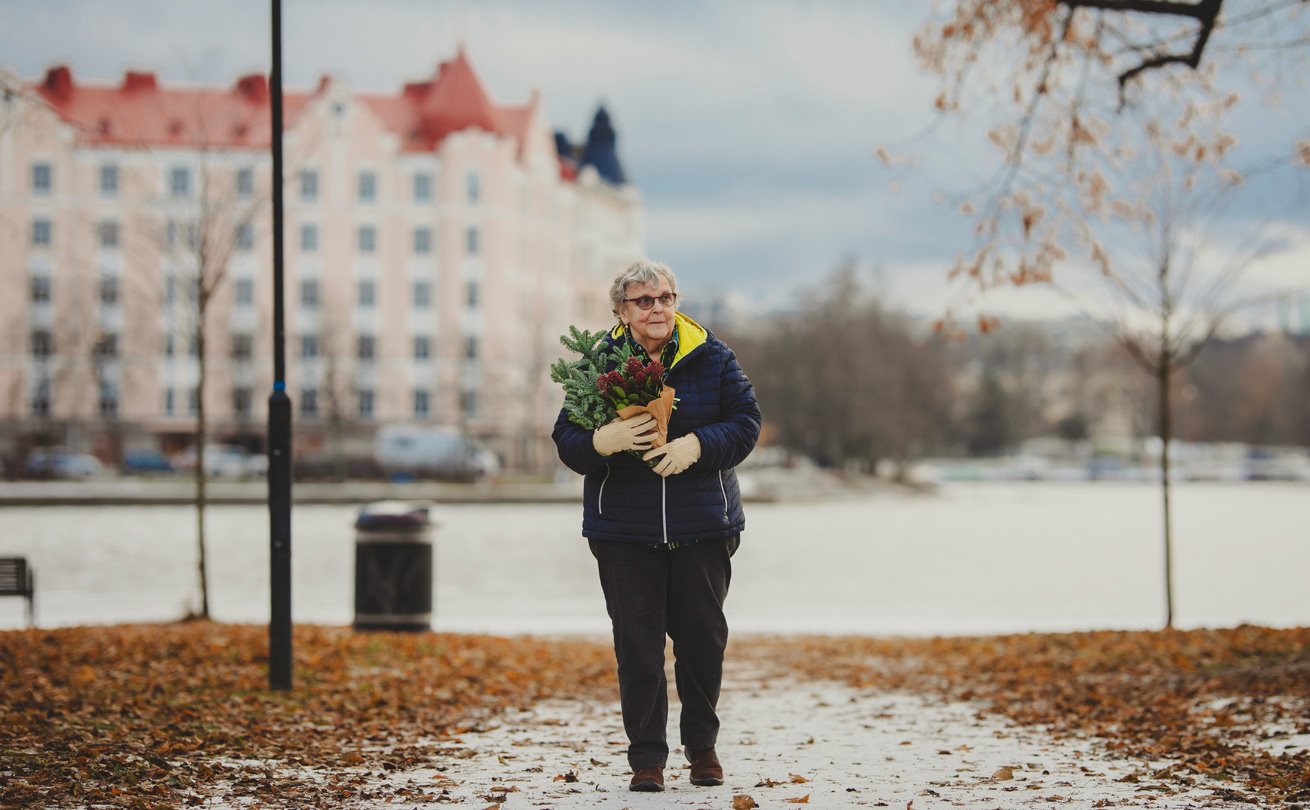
<point>748,125</point>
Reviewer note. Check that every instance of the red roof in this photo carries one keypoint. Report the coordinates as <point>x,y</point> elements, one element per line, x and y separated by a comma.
<point>139,113</point>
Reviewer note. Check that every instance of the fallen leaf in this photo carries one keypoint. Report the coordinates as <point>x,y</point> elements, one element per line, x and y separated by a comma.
<point>1004,773</point>
<point>767,783</point>
<point>797,779</point>
<point>568,776</point>
<point>743,802</point>
<point>799,800</point>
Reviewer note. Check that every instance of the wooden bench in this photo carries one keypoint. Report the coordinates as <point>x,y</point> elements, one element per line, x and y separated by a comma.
<point>17,579</point>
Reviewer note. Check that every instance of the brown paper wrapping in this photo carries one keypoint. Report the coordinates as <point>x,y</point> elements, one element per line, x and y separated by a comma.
<point>661,409</point>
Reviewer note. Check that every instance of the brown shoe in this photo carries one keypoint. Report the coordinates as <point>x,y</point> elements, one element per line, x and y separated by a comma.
<point>705,768</point>
<point>648,780</point>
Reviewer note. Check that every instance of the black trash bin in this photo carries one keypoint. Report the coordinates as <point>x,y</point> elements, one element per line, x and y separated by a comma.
<point>393,567</point>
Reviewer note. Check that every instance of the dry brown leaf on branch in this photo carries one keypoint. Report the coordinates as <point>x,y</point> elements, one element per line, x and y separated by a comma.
<point>743,802</point>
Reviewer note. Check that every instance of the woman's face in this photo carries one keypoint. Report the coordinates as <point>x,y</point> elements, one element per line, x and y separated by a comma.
<point>652,327</point>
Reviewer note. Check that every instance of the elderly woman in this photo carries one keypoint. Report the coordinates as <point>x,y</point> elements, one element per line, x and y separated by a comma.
<point>663,523</point>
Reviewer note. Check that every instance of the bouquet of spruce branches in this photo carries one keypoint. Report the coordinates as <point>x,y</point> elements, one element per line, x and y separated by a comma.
<point>605,384</point>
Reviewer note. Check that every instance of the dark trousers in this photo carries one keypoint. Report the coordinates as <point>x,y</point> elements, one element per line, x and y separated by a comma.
<point>652,591</point>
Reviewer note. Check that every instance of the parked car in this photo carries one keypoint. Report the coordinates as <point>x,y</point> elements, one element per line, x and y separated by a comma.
<point>61,462</point>
<point>224,461</point>
<point>145,461</point>
<point>432,452</point>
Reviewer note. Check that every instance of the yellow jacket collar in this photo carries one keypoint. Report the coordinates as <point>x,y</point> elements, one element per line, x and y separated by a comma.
<point>690,335</point>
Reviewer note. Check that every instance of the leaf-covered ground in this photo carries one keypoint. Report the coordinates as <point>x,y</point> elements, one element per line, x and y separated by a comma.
<point>167,715</point>
<point>1220,704</point>
<point>164,715</point>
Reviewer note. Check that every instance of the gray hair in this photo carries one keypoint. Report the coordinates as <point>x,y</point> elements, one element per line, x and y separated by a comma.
<point>642,271</point>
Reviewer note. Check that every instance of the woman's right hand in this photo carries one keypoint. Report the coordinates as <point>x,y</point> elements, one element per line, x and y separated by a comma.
<point>634,433</point>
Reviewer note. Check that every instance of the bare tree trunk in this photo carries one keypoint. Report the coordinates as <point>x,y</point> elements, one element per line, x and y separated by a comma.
<point>201,438</point>
<point>1163,372</point>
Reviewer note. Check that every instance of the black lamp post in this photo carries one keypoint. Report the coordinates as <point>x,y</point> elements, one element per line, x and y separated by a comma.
<point>279,415</point>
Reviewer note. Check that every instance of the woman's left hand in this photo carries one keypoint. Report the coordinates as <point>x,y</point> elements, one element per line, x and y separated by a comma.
<point>678,455</point>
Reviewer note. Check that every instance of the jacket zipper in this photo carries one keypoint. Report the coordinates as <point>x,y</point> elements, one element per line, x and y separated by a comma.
<point>600,495</point>
<point>723,490</point>
<point>664,507</point>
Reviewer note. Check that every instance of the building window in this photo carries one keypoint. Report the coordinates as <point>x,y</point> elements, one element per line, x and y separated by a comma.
<point>168,402</point>
<point>245,236</point>
<point>471,294</point>
<point>308,346</point>
<point>108,233</point>
<point>243,346</point>
<point>422,294</point>
<point>193,290</point>
<point>242,399</point>
<point>421,404</point>
<point>245,183</point>
<point>309,403</point>
<point>41,399</point>
<point>109,180</point>
<point>106,347</point>
<point>42,179</point>
<point>193,401</point>
<point>109,291</point>
<point>168,345</point>
<point>179,182</point>
<point>245,292</point>
<point>422,188</point>
<point>308,237</point>
<point>41,233</point>
<point>365,403</point>
<point>422,240</point>
<point>308,185</point>
<point>368,187</point>
<point>474,188</point>
<point>109,400</point>
<point>309,293</point>
<point>367,238</point>
<point>367,346</point>
<point>471,347</point>
<point>368,293</point>
<point>193,346</point>
<point>170,291</point>
<point>422,347</point>
<point>40,289</point>
<point>468,402</point>
<point>43,343</point>
<point>471,240</point>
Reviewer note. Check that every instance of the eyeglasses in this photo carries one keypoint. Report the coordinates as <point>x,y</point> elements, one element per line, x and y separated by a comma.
<point>646,302</point>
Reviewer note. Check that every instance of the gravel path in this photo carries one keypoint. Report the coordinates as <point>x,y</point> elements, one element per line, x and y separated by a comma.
<point>820,744</point>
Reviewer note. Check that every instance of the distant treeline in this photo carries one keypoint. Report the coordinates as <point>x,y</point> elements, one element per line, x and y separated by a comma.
<point>848,382</point>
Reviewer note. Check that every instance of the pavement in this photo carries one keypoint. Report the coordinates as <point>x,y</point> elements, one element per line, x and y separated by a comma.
<point>790,743</point>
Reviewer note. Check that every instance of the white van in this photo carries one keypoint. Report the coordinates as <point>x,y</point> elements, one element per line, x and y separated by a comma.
<point>432,452</point>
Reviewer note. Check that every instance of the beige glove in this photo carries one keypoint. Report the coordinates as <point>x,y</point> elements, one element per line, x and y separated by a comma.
<point>624,434</point>
<point>678,455</point>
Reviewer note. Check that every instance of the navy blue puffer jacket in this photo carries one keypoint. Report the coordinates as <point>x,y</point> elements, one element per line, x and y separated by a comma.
<point>624,500</point>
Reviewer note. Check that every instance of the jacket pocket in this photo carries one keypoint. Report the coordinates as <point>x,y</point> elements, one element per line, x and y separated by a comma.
<point>600,494</point>
<point>723,491</point>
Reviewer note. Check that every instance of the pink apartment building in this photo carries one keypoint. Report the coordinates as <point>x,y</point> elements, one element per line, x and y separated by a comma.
<point>436,246</point>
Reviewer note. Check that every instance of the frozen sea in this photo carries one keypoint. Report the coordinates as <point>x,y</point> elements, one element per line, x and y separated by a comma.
<point>972,558</point>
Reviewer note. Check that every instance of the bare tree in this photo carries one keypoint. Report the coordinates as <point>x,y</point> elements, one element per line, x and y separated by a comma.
<point>847,382</point>
<point>1114,124</point>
